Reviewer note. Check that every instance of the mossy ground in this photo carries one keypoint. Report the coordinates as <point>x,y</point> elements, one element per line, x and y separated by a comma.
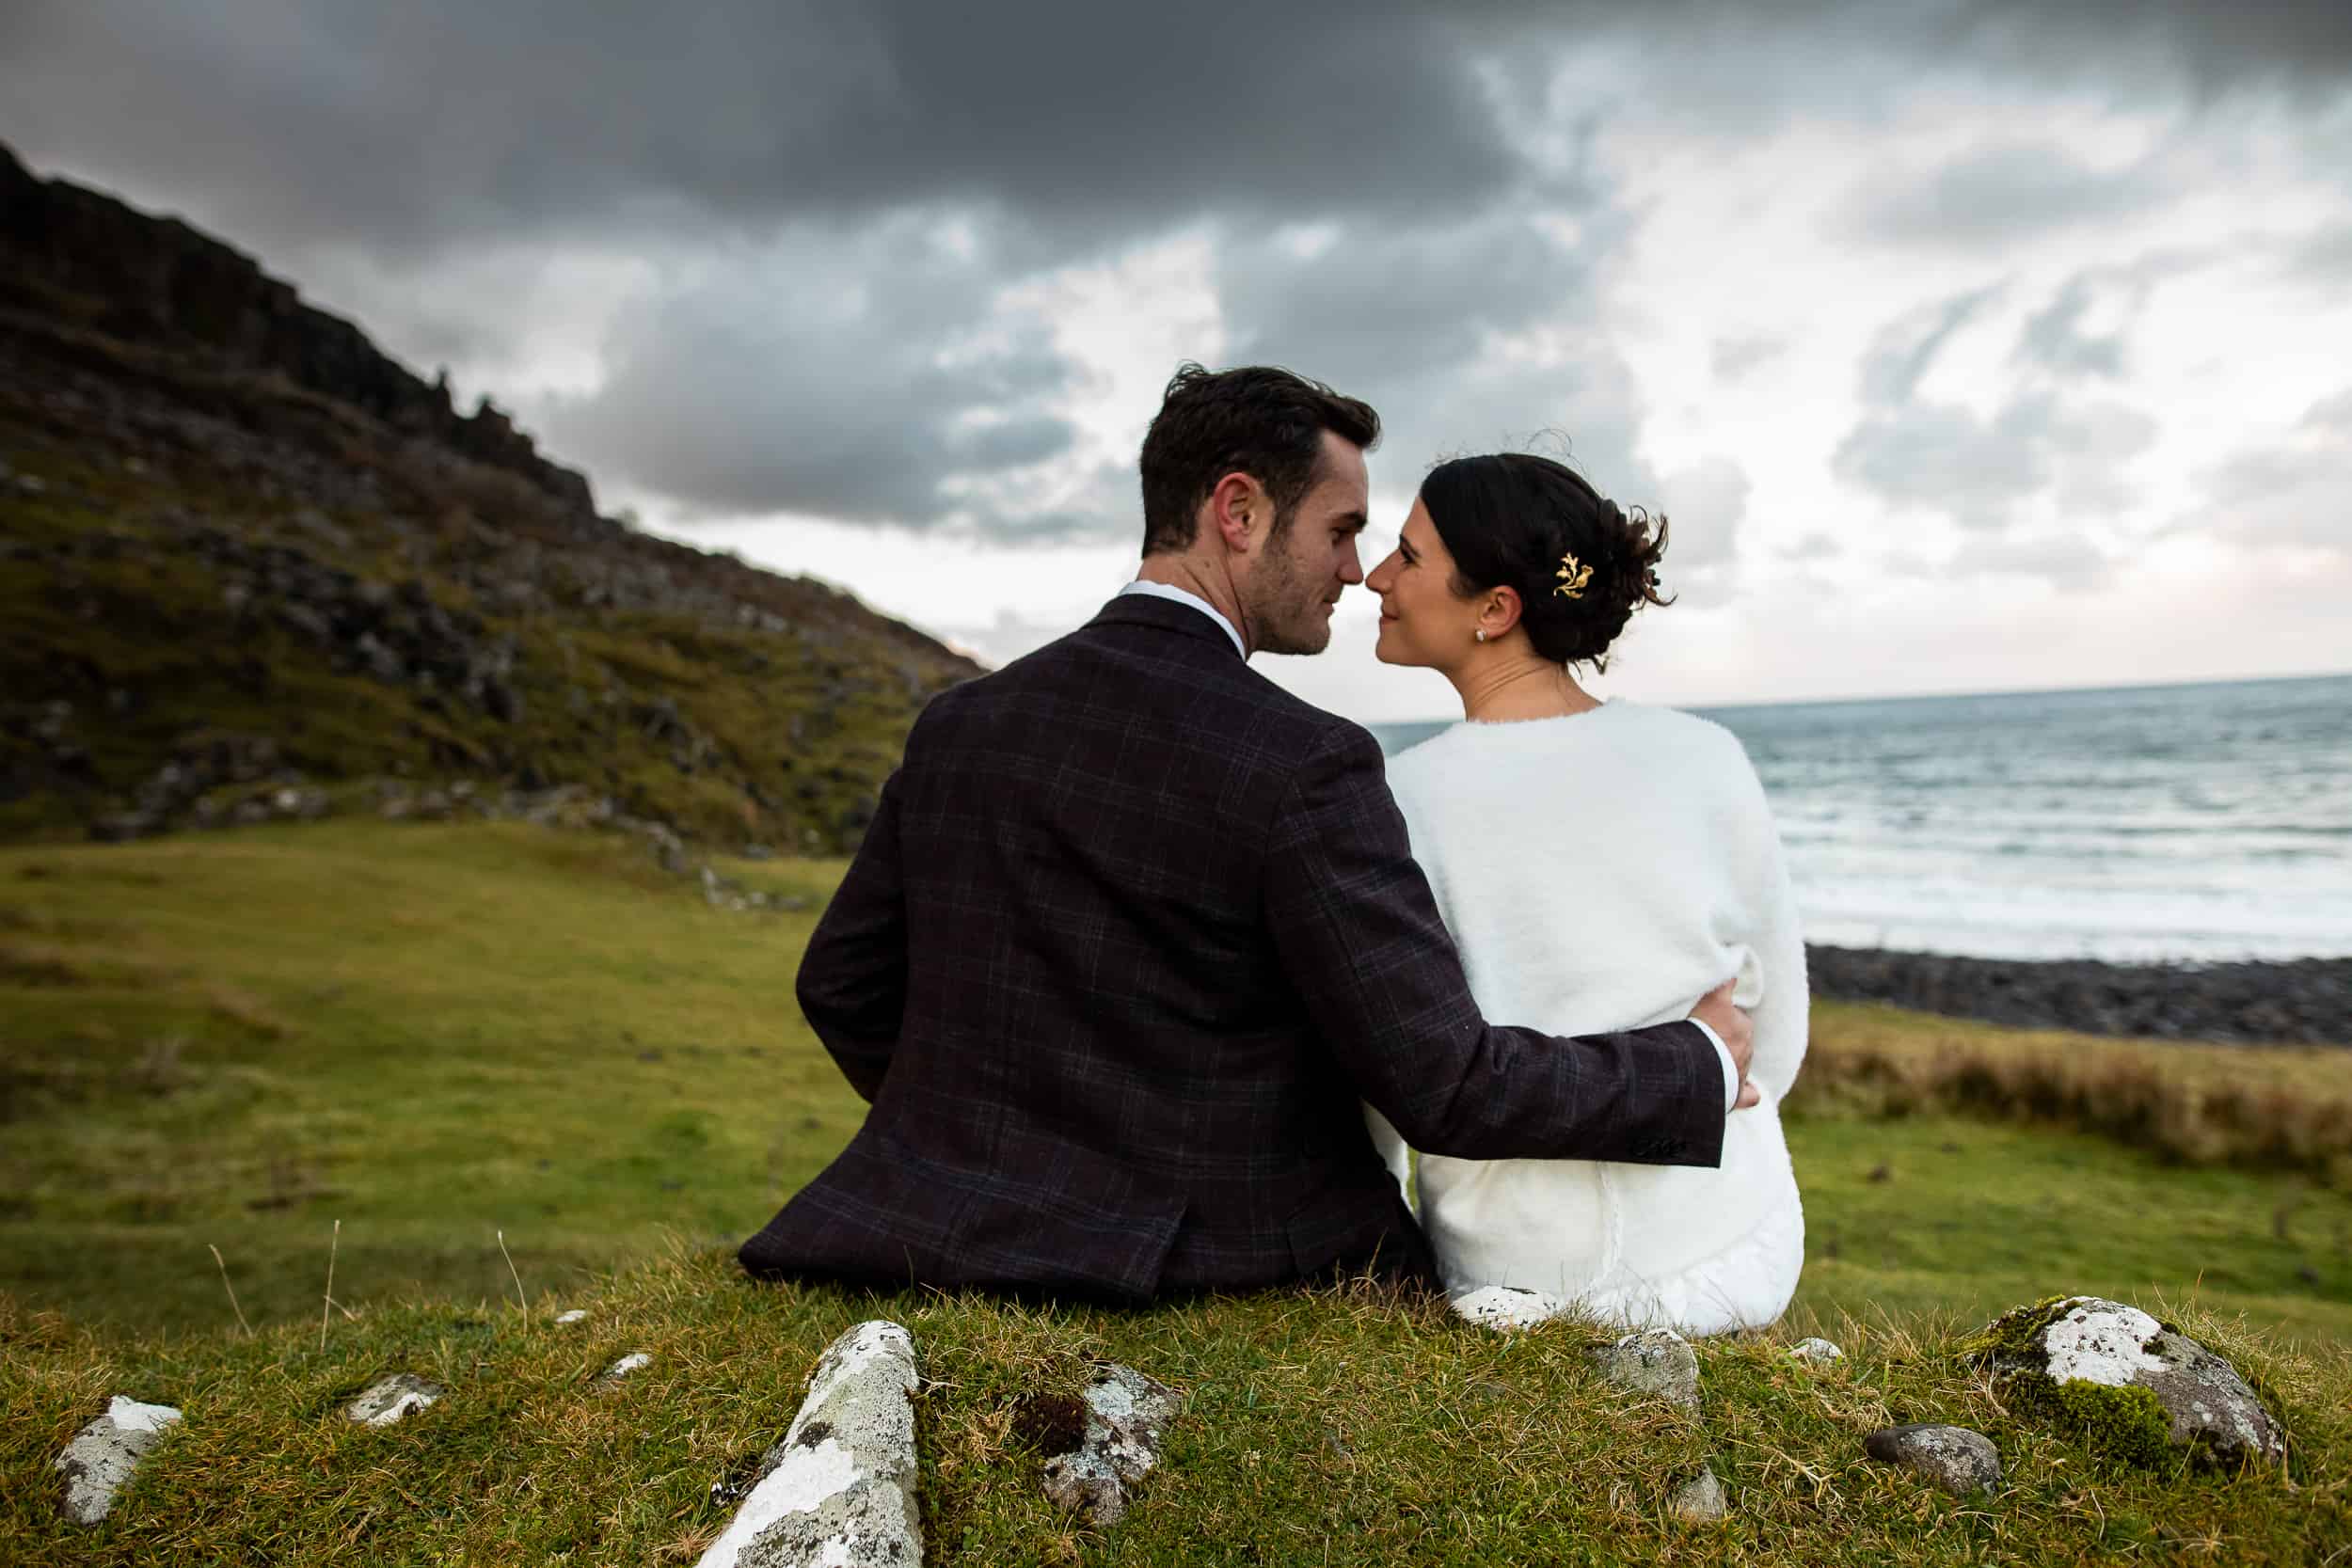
<point>1346,1425</point>
<point>437,1031</point>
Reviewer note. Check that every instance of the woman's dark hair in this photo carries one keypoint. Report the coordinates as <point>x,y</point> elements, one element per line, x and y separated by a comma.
<point>1509,519</point>
<point>1256,420</point>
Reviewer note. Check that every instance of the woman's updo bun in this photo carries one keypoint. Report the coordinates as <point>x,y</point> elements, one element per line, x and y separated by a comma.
<point>1512,519</point>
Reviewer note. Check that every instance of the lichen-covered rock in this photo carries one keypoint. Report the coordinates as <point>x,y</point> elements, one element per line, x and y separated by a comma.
<point>1126,1415</point>
<point>1507,1307</point>
<point>840,1488</point>
<point>1700,1500</point>
<point>2139,1389</point>
<point>103,1454</point>
<point>1657,1363</point>
<point>1820,1352</point>
<point>1958,1460</point>
<point>397,1396</point>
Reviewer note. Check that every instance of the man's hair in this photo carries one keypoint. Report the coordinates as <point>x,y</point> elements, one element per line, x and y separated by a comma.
<point>1256,420</point>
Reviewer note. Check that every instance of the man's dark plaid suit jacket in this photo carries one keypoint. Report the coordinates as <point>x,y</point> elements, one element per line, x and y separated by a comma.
<point>1131,932</point>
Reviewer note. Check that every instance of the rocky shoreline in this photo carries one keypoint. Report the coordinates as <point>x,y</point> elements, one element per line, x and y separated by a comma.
<point>2300,1002</point>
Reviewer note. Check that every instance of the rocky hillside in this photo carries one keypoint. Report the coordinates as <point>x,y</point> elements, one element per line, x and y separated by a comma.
<point>248,559</point>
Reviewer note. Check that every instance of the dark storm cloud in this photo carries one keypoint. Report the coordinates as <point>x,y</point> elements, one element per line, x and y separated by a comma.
<point>433,121</point>
<point>1433,327</point>
<point>858,375</point>
<point>789,146</point>
<point>440,120</point>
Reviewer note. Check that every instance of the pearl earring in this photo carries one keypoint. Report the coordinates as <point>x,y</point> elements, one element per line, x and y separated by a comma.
<point>1480,634</point>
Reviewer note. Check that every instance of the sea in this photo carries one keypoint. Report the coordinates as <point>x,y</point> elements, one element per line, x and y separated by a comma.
<point>2200,823</point>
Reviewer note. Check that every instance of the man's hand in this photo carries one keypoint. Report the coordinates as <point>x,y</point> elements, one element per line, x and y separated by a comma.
<point>1731,1025</point>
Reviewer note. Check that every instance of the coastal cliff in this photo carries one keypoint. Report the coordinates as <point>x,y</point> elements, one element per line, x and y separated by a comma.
<point>251,565</point>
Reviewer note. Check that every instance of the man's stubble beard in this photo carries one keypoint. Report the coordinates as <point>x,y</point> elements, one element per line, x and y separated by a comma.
<point>1286,612</point>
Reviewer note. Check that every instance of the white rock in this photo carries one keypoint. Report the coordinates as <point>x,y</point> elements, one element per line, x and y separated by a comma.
<point>1127,1414</point>
<point>577,1314</point>
<point>103,1454</point>
<point>626,1365</point>
<point>1507,1307</point>
<point>1817,1351</point>
<point>839,1489</point>
<point>397,1396</point>
<point>2211,1411</point>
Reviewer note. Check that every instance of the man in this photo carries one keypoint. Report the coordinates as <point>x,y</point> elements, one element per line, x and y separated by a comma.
<point>1133,930</point>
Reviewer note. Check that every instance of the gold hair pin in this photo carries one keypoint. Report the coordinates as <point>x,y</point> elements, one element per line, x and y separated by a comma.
<point>1574,575</point>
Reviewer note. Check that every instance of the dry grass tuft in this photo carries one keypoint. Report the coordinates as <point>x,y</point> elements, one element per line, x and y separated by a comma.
<point>2282,1109</point>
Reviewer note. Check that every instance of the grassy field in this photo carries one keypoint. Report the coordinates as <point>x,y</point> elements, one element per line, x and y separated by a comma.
<point>435,1034</point>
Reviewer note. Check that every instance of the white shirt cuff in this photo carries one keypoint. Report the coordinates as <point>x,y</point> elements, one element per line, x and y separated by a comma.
<point>1731,1070</point>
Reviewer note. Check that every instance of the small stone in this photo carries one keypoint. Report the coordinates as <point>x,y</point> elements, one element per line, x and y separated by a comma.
<point>103,1454</point>
<point>1958,1460</point>
<point>576,1315</point>
<point>1819,1350</point>
<point>1655,1363</point>
<point>633,1361</point>
<point>1126,1415</point>
<point>1700,1500</point>
<point>1506,1306</point>
<point>840,1487</point>
<point>392,1400</point>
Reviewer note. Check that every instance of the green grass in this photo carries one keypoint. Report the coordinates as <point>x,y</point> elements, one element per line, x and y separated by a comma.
<point>435,1033</point>
<point>1339,1426</point>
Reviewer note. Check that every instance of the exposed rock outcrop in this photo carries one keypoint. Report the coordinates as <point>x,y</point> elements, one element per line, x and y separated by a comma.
<point>1126,1415</point>
<point>840,1487</point>
<point>2137,1388</point>
<point>104,1454</point>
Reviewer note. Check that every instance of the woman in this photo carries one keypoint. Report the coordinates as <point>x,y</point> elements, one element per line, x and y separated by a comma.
<point>1601,866</point>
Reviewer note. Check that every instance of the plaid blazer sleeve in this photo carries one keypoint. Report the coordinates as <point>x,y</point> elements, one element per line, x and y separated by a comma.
<point>852,983</point>
<point>1361,940</point>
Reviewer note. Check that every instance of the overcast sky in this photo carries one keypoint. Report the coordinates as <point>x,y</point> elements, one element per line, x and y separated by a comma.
<point>1968,347</point>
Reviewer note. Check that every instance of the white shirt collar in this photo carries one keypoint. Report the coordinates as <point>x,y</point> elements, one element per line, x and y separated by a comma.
<point>1179,596</point>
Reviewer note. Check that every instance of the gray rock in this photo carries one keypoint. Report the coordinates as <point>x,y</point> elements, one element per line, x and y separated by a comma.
<point>2210,1410</point>
<point>1127,1414</point>
<point>1958,1460</point>
<point>840,1487</point>
<point>396,1397</point>
<point>104,1453</point>
<point>1819,1351</point>
<point>1656,1363</point>
<point>1700,1500</point>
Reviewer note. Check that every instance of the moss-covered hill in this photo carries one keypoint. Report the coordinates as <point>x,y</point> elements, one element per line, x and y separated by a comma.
<point>241,551</point>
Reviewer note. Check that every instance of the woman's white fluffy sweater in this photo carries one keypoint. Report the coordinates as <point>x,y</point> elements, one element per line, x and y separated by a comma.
<point>1604,871</point>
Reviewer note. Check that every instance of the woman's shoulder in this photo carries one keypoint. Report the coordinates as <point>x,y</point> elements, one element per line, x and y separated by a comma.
<point>1657,737</point>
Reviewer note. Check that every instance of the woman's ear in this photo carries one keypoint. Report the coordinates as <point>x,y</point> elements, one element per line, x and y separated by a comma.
<point>1500,612</point>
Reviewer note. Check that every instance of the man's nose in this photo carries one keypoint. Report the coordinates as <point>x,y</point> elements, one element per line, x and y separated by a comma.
<point>1351,569</point>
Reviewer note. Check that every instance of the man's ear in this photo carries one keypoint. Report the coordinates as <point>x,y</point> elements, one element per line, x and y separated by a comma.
<point>1241,511</point>
<point>1501,612</point>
